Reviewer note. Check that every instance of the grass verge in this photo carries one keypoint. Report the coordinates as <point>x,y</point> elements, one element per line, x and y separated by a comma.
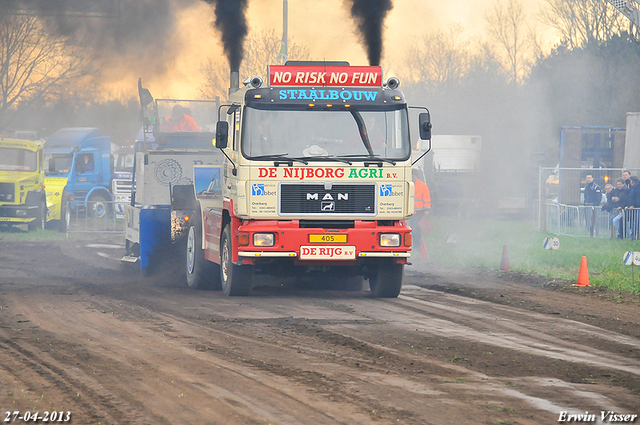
<point>479,243</point>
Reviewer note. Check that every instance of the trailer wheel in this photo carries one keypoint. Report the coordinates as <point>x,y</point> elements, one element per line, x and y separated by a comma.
<point>201,273</point>
<point>41,218</point>
<point>386,282</point>
<point>236,280</point>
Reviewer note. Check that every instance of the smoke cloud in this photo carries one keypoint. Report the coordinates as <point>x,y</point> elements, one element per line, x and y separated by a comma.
<point>370,16</point>
<point>232,24</point>
<point>120,36</point>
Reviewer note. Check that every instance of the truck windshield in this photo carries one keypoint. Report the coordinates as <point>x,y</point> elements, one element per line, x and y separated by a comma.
<point>58,164</point>
<point>124,163</point>
<point>322,133</point>
<point>14,159</point>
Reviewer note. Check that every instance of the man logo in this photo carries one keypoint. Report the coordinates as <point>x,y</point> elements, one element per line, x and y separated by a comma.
<point>328,206</point>
<point>386,190</point>
<point>257,189</point>
<point>327,197</point>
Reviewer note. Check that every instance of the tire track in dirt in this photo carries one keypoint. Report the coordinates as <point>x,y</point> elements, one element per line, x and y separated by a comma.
<point>87,402</point>
<point>517,330</point>
<point>303,356</point>
<point>334,341</point>
<point>235,357</point>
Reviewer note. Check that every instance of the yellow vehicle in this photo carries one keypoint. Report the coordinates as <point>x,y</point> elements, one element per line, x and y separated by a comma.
<point>22,194</point>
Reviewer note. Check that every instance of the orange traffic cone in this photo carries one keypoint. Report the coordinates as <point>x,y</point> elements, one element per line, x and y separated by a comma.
<point>583,275</point>
<point>504,263</point>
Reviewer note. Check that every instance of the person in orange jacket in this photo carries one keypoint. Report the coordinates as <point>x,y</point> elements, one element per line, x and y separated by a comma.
<point>419,222</point>
<point>179,121</point>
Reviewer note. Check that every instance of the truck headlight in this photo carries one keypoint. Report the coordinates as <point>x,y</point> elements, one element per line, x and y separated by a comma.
<point>264,239</point>
<point>21,213</point>
<point>390,239</point>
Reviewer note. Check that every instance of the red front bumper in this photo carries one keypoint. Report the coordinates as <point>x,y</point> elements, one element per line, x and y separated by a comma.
<point>292,241</point>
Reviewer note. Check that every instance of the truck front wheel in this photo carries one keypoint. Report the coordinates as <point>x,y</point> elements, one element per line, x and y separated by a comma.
<point>41,218</point>
<point>99,207</point>
<point>201,273</point>
<point>386,282</point>
<point>65,215</point>
<point>236,280</point>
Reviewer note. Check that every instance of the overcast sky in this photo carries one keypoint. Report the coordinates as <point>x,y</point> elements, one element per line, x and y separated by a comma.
<point>327,29</point>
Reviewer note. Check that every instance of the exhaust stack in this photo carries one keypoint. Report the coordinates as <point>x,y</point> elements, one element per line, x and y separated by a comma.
<point>234,82</point>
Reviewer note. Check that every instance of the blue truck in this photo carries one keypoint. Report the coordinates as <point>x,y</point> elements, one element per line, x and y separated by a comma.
<point>78,170</point>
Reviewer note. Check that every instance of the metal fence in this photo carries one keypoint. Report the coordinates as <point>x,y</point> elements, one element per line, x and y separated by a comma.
<point>584,221</point>
<point>561,199</point>
<point>93,217</point>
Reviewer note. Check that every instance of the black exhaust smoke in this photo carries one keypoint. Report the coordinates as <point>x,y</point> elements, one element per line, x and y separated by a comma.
<point>232,24</point>
<point>370,16</point>
<point>110,30</point>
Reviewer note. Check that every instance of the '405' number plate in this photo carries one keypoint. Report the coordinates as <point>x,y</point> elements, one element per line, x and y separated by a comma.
<point>327,238</point>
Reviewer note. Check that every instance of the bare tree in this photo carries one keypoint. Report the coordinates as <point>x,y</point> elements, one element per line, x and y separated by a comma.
<point>440,58</point>
<point>506,24</point>
<point>35,64</point>
<point>260,49</point>
<point>583,21</point>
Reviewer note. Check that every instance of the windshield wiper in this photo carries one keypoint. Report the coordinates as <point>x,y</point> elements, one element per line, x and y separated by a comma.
<point>325,158</point>
<point>371,158</point>
<point>279,158</point>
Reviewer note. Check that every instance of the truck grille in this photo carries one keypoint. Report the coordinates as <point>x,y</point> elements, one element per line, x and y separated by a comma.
<point>341,199</point>
<point>7,192</point>
<point>122,187</point>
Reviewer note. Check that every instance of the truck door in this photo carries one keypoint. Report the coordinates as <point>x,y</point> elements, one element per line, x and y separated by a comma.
<point>86,172</point>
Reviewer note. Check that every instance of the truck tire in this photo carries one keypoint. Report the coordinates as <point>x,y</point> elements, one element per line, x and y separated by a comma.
<point>201,273</point>
<point>41,218</point>
<point>99,207</point>
<point>65,215</point>
<point>236,280</point>
<point>386,282</point>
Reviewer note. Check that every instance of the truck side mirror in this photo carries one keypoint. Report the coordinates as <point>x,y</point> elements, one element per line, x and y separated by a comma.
<point>222,134</point>
<point>424,120</point>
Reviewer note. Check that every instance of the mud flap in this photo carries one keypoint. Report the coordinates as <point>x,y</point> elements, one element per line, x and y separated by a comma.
<point>155,234</point>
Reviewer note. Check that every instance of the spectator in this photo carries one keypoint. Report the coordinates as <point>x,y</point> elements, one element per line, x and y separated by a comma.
<point>178,121</point>
<point>626,175</point>
<point>592,198</point>
<point>610,206</point>
<point>633,207</point>
<point>592,192</point>
<point>419,222</point>
<point>619,197</point>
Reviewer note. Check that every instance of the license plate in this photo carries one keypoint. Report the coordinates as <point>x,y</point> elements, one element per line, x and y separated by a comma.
<point>327,252</point>
<point>327,238</point>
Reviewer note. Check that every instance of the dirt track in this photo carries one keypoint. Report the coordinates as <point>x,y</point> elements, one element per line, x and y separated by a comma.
<point>78,333</point>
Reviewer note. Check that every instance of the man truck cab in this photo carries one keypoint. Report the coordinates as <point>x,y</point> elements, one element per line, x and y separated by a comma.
<point>323,190</point>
